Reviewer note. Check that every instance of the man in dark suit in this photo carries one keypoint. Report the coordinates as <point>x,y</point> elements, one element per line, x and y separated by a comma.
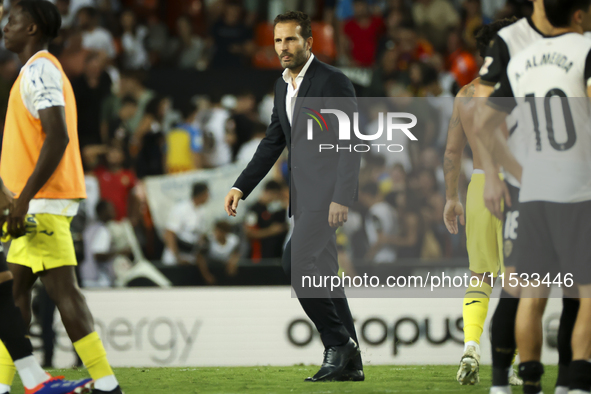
<point>323,184</point>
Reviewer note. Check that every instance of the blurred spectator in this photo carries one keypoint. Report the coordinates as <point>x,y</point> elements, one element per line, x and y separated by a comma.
<point>157,41</point>
<point>119,130</point>
<point>90,161</point>
<point>95,37</point>
<point>215,124</point>
<point>434,18</point>
<point>116,182</point>
<point>185,227</point>
<point>232,38</point>
<point>248,149</point>
<point>363,32</point>
<point>148,143</point>
<point>97,269</point>
<point>189,48</point>
<point>184,143</point>
<point>73,57</point>
<point>460,61</point>
<point>91,89</point>
<point>439,99</point>
<point>219,254</point>
<point>472,21</point>
<point>395,182</point>
<point>411,47</point>
<point>380,221</point>
<point>68,17</point>
<point>265,224</point>
<point>130,84</point>
<point>266,108</point>
<point>432,204</point>
<point>134,55</point>
<point>409,239</point>
<point>9,70</point>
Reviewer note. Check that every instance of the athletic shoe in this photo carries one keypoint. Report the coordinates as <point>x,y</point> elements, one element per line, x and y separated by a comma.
<point>469,366</point>
<point>57,385</point>
<point>515,380</point>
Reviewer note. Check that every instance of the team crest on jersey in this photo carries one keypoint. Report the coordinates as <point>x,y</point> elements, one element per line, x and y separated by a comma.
<point>508,247</point>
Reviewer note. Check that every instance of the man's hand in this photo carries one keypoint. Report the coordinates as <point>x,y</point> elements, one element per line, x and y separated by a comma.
<point>337,214</point>
<point>231,201</point>
<point>453,209</point>
<point>16,218</point>
<point>495,190</point>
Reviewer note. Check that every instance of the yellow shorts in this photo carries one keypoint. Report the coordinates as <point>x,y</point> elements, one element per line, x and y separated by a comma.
<point>484,232</point>
<point>47,244</point>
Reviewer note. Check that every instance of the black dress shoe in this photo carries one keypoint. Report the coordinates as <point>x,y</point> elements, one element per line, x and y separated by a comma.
<point>351,375</point>
<point>336,359</point>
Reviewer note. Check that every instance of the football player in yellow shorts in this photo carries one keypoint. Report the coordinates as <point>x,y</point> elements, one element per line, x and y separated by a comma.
<point>484,237</point>
<point>41,163</point>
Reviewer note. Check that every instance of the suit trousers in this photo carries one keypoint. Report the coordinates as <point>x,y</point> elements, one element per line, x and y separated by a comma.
<point>312,251</point>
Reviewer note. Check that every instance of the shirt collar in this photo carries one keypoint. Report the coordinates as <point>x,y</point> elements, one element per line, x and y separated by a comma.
<point>287,75</point>
<point>32,57</point>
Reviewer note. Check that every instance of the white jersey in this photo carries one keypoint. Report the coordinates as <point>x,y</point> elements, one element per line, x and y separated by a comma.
<point>549,81</point>
<point>509,42</point>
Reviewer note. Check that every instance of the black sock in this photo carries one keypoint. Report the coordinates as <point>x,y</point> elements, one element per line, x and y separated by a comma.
<point>503,338</point>
<point>580,375</point>
<point>531,372</point>
<point>570,309</point>
<point>12,327</point>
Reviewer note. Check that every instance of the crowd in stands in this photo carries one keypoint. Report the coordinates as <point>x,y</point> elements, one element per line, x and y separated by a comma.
<point>418,48</point>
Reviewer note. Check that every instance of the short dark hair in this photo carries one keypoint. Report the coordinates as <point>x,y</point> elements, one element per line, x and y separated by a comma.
<point>198,189</point>
<point>187,108</point>
<point>485,34</point>
<point>560,12</point>
<point>128,100</point>
<point>430,74</point>
<point>300,18</point>
<point>45,15</point>
<point>223,226</point>
<point>273,186</point>
<point>90,11</point>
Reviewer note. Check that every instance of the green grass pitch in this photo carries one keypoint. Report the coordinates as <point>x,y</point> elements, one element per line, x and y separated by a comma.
<point>379,379</point>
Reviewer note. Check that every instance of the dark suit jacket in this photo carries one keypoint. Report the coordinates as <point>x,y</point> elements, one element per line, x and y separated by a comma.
<point>318,177</point>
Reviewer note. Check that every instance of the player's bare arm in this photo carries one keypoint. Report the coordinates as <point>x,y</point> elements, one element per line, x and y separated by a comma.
<point>452,164</point>
<point>53,122</point>
<point>491,139</point>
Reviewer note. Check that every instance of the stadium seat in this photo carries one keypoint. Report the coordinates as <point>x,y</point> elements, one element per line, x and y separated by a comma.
<point>265,56</point>
<point>324,45</point>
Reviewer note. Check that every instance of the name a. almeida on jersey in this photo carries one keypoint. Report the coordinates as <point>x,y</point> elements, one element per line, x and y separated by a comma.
<point>554,59</point>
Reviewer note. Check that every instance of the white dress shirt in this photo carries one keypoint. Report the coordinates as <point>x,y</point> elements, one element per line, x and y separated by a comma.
<point>292,93</point>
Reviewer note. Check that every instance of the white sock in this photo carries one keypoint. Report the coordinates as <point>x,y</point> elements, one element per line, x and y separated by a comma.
<point>511,371</point>
<point>108,383</point>
<point>500,390</point>
<point>30,372</point>
<point>578,392</point>
<point>4,388</point>
<point>561,390</point>
<point>472,343</point>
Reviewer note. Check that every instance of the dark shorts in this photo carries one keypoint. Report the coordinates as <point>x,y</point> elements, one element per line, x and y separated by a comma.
<point>554,238</point>
<point>510,226</point>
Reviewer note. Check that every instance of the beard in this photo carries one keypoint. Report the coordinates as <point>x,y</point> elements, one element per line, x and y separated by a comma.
<point>296,59</point>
